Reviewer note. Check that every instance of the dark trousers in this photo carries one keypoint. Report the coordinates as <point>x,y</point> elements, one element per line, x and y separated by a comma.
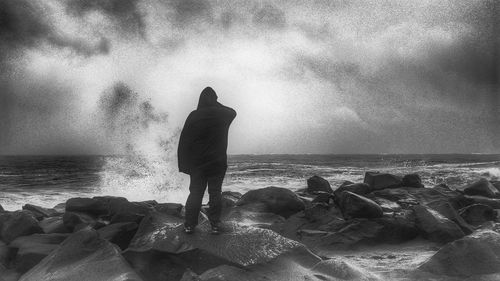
<point>197,186</point>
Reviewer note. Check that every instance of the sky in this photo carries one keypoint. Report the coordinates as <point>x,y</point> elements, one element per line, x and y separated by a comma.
<point>323,76</point>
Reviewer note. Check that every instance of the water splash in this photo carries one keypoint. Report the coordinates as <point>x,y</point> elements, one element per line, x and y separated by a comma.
<point>148,169</point>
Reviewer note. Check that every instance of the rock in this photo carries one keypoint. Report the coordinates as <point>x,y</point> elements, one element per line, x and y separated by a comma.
<point>343,270</point>
<point>496,184</point>
<point>318,217</point>
<point>322,197</point>
<point>4,254</point>
<point>252,215</point>
<point>40,212</point>
<point>53,225</point>
<point>1,208</point>
<point>407,197</point>
<point>387,205</point>
<point>359,232</point>
<point>155,265</point>
<point>280,201</point>
<point>119,233</point>
<point>238,244</point>
<point>130,212</point>
<point>358,188</point>
<point>446,209</point>
<point>190,276</point>
<point>83,256</point>
<point>435,227</point>
<point>482,188</point>
<point>229,199</point>
<point>30,250</point>
<point>379,181</point>
<point>76,220</point>
<point>86,205</point>
<point>353,205</point>
<point>412,180</point>
<point>478,214</point>
<point>60,208</point>
<point>16,224</point>
<point>493,203</point>
<point>399,195</point>
<point>173,209</point>
<point>476,254</point>
<point>317,183</point>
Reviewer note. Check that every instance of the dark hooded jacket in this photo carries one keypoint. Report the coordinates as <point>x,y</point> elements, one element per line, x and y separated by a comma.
<point>203,140</point>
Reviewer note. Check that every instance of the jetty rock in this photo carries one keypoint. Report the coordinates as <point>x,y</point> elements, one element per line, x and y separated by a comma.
<point>474,255</point>
<point>378,180</point>
<point>436,227</point>
<point>83,256</point>
<point>160,249</point>
<point>17,224</point>
<point>277,200</point>
<point>357,206</point>
<point>478,214</point>
<point>317,183</point>
<point>481,187</point>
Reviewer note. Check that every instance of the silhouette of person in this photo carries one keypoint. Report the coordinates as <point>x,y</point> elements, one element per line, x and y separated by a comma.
<point>202,155</point>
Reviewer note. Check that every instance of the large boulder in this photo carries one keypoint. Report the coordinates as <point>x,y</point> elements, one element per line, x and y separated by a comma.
<point>16,224</point>
<point>436,227</point>
<point>53,225</point>
<point>278,200</point>
<point>86,205</point>
<point>447,210</point>
<point>40,212</point>
<point>83,256</point>
<point>30,250</point>
<point>481,187</point>
<point>317,183</point>
<point>360,232</point>
<point>243,245</point>
<point>120,209</point>
<point>119,233</point>
<point>229,199</point>
<point>476,254</point>
<point>492,202</point>
<point>341,269</point>
<point>173,209</point>
<point>412,180</point>
<point>77,220</point>
<point>378,180</point>
<point>358,188</point>
<point>252,215</point>
<point>478,214</point>
<point>161,250</point>
<point>357,206</point>
<point>407,197</point>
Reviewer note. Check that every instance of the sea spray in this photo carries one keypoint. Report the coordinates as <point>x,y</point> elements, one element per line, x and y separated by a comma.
<point>147,168</point>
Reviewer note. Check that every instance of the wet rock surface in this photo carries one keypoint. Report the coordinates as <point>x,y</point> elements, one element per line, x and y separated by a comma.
<point>317,183</point>
<point>267,234</point>
<point>476,254</point>
<point>278,200</point>
<point>83,256</point>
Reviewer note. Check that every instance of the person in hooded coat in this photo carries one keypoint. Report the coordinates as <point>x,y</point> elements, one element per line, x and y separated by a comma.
<point>202,155</point>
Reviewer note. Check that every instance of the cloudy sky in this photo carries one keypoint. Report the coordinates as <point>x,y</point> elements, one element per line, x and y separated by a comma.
<point>323,76</point>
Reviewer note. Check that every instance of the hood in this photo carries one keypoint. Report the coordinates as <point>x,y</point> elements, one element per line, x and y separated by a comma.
<point>208,97</point>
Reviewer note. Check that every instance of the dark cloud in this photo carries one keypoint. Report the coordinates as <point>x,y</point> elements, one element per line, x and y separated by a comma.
<point>125,13</point>
<point>270,16</point>
<point>26,24</point>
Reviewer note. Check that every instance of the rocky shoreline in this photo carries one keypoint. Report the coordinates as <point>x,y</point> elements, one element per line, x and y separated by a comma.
<point>270,233</point>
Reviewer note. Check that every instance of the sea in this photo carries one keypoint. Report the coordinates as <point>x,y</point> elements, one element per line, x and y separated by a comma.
<point>49,180</point>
